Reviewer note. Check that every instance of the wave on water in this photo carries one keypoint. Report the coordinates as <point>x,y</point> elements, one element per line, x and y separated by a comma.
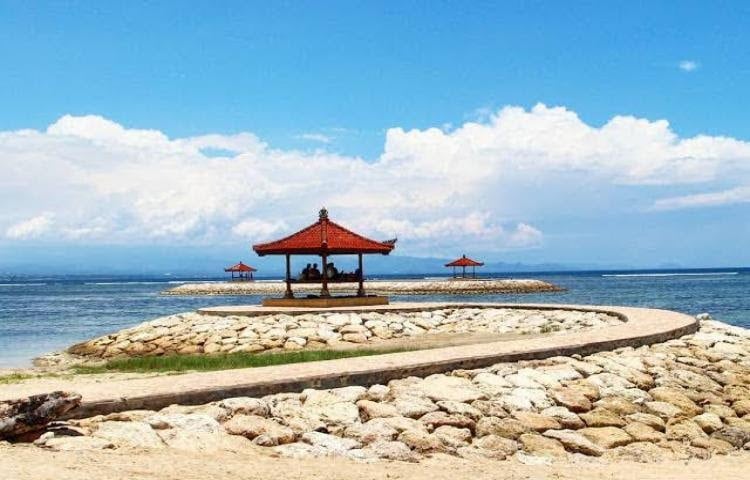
<point>21,284</point>
<point>181,282</point>
<point>682,274</point>
<point>122,283</point>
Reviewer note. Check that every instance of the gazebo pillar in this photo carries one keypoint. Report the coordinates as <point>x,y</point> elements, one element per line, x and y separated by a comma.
<point>361,289</point>
<point>289,293</point>
<point>324,271</point>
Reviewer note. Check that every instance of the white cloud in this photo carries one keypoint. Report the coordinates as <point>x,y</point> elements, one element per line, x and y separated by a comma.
<point>711,199</point>
<point>31,228</point>
<point>442,235</point>
<point>258,230</point>
<point>474,224</point>
<point>483,183</point>
<point>315,137</point>
<point>525,236</point>
<point>625,150</point>
<point>688,65</point>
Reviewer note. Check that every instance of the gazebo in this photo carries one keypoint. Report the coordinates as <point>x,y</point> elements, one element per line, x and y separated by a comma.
<point>245,272</point>
<point>464,262</point>
<point>325,238</point>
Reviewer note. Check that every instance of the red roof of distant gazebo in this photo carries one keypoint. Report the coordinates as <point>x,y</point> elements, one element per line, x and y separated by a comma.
<point>240,267</point>
<point>464,261</point>
<point>324,237</point>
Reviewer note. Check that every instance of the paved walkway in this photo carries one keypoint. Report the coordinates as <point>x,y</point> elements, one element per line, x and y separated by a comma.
<point>643,326</point>
<point>253,310</point>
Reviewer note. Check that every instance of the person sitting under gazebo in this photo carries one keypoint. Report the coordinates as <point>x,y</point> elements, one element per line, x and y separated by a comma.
<point>332,272</point>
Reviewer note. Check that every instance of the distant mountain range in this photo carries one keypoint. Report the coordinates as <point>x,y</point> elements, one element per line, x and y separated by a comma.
<point>210,261</point>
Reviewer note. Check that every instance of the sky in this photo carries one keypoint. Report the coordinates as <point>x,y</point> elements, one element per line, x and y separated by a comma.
<point>577,133</point>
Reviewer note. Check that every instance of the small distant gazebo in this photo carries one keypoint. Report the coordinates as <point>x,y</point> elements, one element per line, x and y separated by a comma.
<point>464,262</point>
<point>325,238</point>
<point>244,272</point>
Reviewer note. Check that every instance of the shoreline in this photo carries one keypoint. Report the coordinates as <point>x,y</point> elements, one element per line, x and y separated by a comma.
<point>377,287</point>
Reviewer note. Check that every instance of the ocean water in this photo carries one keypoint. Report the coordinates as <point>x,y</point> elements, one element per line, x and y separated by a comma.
<point>41,315</point>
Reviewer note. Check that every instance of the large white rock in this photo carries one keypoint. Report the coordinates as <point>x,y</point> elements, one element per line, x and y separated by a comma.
<point>491,383</point>
<point>192,423</point>
<point>129,434</point>
<point>575,442</point>
<point>371,431</point>
<point>246,405</point>
<point>609,383</point>
<point>335,445</point>
<point>202,441</point>
<point>443,387</point>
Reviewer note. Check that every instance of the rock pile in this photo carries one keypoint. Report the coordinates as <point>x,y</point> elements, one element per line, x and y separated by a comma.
<point>403,287</point>
<point>193,333</point>
<point>29,415</point>
<point>684,398</point>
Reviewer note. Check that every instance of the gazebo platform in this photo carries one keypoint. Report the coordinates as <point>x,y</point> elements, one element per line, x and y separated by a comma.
<point>326,302</point>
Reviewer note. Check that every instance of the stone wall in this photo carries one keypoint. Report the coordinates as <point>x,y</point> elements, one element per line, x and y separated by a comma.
<point>411,287</point>
<point>193,333</point>
<point>681,399</point>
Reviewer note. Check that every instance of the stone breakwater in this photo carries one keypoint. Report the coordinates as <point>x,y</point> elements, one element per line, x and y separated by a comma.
<point>414,287</point>
<point>684,398</point>
<point>194,333</point>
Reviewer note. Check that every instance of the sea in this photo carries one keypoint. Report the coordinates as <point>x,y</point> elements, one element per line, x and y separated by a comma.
<point>39,315</point>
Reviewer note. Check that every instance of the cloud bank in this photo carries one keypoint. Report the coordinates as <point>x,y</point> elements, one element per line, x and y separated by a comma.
<point>485,184</point>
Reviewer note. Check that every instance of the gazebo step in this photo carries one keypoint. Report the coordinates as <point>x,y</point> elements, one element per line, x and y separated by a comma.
<point>325,302</point>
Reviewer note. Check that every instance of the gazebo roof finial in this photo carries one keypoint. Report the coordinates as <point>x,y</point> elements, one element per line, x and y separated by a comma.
<point>323,215</point>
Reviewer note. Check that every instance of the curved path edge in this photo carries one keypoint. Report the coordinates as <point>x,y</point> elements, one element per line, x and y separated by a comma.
<point>643,326</point>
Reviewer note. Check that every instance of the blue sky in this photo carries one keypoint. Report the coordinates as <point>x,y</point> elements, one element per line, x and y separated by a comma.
<point>337,86</point>
<point>281,68</point>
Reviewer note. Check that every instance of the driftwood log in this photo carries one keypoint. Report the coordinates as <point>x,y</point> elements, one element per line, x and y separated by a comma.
<point>22,416</point>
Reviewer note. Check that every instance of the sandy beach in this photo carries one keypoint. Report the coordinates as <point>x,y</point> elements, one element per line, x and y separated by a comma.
<point>29,463</point>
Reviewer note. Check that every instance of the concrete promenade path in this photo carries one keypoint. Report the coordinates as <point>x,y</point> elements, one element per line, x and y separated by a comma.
<point>642,326</point>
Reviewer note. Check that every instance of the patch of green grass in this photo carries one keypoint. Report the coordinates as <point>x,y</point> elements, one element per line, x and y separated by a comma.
<point>14,378</point>
<point>20,377</point>
<point>182,363</point>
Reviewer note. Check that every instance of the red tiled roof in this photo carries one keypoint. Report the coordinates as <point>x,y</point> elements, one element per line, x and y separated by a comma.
<point>324,236</point>
<point>240,267</point>
<point>464,261</point>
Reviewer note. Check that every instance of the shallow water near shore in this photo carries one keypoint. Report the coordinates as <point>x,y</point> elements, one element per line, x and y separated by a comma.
<point>40,315</point>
